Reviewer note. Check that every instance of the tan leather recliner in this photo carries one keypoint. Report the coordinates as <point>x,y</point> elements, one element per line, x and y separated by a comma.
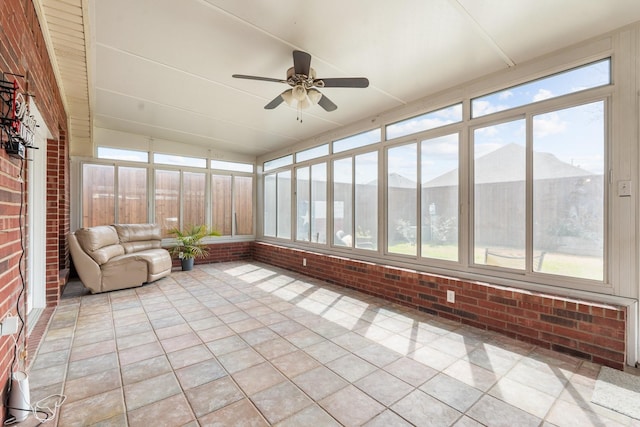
<point>119,256</point>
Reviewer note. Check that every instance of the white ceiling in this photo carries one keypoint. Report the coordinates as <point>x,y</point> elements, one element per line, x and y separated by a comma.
<point>162,68</point>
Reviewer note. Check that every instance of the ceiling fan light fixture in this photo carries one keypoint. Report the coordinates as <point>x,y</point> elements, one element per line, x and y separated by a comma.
<point>304,104</point>
<point>299,93</point>
<point>314,96</point>
<point>287,95</point>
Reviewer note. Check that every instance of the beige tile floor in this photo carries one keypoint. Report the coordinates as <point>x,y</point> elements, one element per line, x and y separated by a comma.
<point>248,344</point>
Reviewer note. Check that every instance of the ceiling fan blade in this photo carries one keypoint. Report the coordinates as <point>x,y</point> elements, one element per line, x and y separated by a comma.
<point>264,79</point>
<point>343,82</point>
<point>273,104</point>
<point>301,62</point>
<point>327,104</point>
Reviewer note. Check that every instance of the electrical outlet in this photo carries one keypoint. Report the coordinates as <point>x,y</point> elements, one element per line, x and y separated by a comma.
<point>9,325</point>
<point>304,262</point>
<point>451,296</point>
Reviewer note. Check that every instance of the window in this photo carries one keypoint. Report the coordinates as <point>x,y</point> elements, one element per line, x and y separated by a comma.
<point>181,197</point>
<point>175,160</point>
<point>356,141</point>
<point>284,205</point>
<point>303,200</point>
<point>277,205</point>
<point>114,194</point>
<point>221,203</point>
<point>278,163</point>
<point>402,199</point>
<point>439,201</point>
<point>120,154</point>
<point>312,153</point>
<point>520,195</point>
<point>232,204</point>
<point>342,202</point>
<point>193,203</point>
<point>132,195</point>
<point>499,172</point>
<point>167,198</point>
<point>231,166</point>
<point>425,122</point>
<point>568,191</point>
<point>319,203</point>
<point>574,80</point>
<point>355,208</point>
<point>270,205</point>
<point>311,197</point>
<point>366,201</point>
<point>566,209</point>
<point>243,204</point>
<point>98,195</point>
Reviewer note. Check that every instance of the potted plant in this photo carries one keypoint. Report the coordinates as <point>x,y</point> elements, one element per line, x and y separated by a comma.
<point>189,244</point>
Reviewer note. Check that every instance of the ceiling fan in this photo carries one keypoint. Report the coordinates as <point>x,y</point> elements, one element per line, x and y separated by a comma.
<point>303,81</point>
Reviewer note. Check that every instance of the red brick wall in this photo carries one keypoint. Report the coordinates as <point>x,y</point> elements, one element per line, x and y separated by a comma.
<point>585,329</point>
<point>23,51</point>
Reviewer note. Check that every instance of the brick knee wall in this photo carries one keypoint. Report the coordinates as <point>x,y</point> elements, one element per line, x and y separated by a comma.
<point>225,252</point>
<point>586,329</point>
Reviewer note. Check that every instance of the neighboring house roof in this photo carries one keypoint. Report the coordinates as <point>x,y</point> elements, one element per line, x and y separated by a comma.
<point>506,164</point>
<point>395,180</point>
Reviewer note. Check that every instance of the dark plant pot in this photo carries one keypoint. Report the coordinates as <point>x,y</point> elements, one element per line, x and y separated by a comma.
<point>187,264</point>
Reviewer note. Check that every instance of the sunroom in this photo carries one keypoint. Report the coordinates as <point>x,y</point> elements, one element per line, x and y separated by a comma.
<point>508,192</point>
<point>485,180</point>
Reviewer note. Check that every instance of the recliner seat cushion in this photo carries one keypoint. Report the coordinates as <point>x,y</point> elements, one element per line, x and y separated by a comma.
<point>158,260</point>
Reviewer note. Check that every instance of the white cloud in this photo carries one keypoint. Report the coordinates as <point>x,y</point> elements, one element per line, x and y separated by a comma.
<point>482,108</point>
<point>506,94</point>
<point>488,131</point>
<point>542,94</point>
<point>550,124</point>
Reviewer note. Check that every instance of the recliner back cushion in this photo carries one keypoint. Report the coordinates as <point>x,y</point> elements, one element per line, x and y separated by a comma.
<point>141,246</point>
<point>100,243</point>
<point>137,232</point>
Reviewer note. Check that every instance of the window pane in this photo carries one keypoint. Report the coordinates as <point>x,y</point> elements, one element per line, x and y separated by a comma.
<point>243,204</point>
<point>221,204</point>
<point>319,203</point>
<point>312,153</point>
<point>424,122</point>
<point>439,170</point>
<point>402,199</point>
<point>499,194</point>
<point>119,154</point>
<point>98,202</point>
<point>355,141</point>
<point>568,191</point>
<point>302,200</point>
<point>284,205</point>
<point>581,78</point>
<point>132,195</point>
<point>231,166</point>
<point>175,160</point>
<point>276,163</point>
<point>366,215</point>
<point>167,196</point>
<point>270,205</point>
<point>193,208</point>
<point>342,202</point>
